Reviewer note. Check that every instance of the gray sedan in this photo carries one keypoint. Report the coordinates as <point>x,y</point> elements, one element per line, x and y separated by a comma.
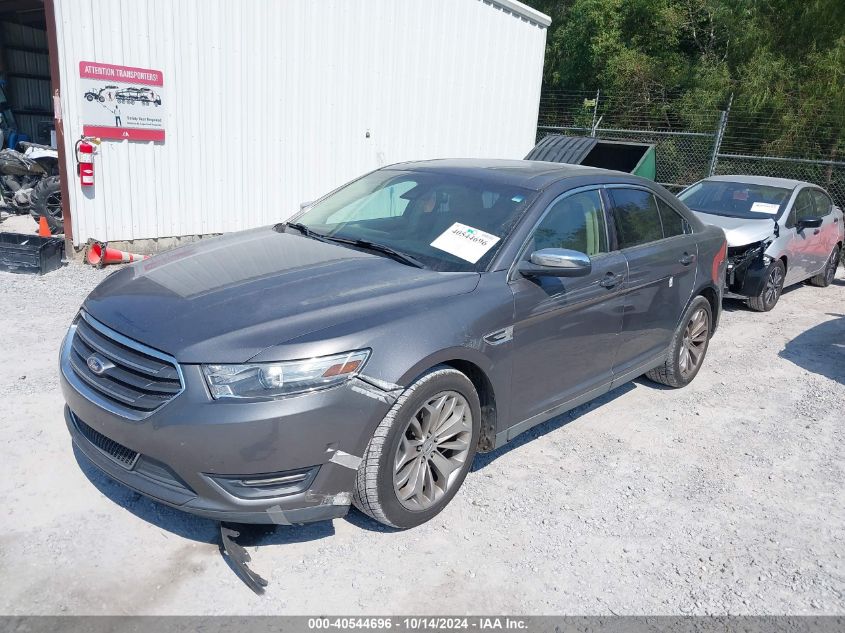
<point>780,232</point>
<point>363,351</point>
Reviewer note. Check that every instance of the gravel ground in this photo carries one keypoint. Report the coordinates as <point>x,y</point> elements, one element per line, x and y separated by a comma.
<point>724,497</point>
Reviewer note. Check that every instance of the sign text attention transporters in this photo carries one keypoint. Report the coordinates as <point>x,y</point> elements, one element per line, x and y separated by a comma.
<point>122,102</point>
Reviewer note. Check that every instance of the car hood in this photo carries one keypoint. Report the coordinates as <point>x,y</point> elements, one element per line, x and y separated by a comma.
<point>226,299</point>
<point>740,231</point>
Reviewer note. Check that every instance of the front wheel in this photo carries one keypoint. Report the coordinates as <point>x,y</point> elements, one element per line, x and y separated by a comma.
<point>769,295</point>
<point>825,277</point>
<point>688,348</point>
<point>421,452</point>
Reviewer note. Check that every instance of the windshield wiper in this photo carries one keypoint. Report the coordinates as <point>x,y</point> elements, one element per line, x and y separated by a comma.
<point>365,244</point>
<point>379,248</point>
<point>306,231</point>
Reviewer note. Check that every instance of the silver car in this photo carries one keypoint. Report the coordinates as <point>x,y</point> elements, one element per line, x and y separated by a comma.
<point>780,232</point>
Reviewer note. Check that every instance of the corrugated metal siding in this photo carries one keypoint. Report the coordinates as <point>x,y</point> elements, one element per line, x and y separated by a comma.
<point>269,103</point>
<point>28,75</point>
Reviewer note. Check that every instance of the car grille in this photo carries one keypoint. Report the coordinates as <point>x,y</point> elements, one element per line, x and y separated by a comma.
<point>135,379</point>
<point>118,452</point>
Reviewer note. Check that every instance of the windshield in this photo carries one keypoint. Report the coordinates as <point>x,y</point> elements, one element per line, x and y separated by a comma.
<point>444,221</point>
<point>736,199</point>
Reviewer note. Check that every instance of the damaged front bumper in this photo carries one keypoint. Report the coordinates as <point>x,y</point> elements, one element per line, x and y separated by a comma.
<point>746,270</point>
<point>288,461</point>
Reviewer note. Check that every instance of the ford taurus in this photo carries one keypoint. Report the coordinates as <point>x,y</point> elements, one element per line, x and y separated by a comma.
<point>363,351</point>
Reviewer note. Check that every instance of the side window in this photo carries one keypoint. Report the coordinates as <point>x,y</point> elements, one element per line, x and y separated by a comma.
<point>575,222</point>
<point>636,216</point>
<point>673,223</point>
<point>802,209</point>
<point>823,204</point>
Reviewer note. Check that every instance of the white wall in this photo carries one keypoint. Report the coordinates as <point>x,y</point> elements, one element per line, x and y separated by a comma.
<point>270,101</point>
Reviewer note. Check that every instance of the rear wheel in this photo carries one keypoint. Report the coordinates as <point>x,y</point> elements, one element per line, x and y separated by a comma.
<point>688,347</point>
<point>825,277</point>
<point>421,452</point>
<point>769,295</point>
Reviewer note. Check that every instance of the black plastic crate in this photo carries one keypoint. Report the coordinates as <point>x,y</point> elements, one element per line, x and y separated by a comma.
<point>21,253</point>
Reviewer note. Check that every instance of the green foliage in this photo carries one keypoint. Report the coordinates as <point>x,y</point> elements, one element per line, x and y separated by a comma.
<point>783,60</point>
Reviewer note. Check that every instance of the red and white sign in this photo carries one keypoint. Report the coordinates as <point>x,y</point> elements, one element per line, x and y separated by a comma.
<point>122,102</point>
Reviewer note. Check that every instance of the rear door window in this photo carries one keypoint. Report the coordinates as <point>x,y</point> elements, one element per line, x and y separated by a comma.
<point>673,223</point>
<point>636,216</point>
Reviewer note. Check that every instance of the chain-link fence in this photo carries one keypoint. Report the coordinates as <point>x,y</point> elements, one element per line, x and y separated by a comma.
<point>691,144</point>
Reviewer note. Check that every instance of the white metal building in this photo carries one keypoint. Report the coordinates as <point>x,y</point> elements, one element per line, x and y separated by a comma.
<point>270,103</point>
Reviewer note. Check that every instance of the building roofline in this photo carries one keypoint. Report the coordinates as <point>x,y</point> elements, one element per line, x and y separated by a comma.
<point>522,10</point>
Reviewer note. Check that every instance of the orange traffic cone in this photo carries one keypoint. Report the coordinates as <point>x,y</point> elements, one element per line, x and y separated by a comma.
<point>43,227</point>
<point>99,254</point>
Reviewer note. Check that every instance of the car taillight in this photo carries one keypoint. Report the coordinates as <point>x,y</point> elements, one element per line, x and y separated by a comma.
<point>719,260</point>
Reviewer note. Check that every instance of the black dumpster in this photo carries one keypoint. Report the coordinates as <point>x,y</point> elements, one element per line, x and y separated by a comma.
<point>634,158</point>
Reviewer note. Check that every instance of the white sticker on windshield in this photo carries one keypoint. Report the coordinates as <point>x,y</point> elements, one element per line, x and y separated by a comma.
<point>765,207</point>
<point>465,242</point>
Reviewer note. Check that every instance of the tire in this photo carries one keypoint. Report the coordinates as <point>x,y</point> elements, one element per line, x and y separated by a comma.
<point>89,97</point>
<point>826,276</point>
<point>694,331</point>
<point>376,493</point>
<point>47,202</point>
<point>769,295</point>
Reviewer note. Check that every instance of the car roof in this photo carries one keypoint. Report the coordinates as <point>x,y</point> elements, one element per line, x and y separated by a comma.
<point>786,183</point>
<point>529,174</point>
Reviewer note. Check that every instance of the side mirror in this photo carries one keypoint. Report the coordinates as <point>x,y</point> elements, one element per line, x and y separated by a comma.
<point>808,223</point>
<point>556,262</point>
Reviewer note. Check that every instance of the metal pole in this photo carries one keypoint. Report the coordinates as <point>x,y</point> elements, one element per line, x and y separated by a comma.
<point>594,124</point>
<point>719,136</point>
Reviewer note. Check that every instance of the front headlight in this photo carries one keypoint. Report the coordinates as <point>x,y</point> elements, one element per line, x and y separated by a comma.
<point>271,380</point>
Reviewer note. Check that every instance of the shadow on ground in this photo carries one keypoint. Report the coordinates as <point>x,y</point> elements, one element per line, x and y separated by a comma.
<point>484,459</point>
<point>730,304</point>
<point>821,349</point>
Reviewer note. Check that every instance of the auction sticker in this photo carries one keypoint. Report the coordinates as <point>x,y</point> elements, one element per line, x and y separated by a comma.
<point>465,242</point>
<point>765,207</point>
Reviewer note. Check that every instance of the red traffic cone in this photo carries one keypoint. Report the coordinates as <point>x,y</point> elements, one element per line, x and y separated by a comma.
<point>43,227</point>
<point>99,254</point>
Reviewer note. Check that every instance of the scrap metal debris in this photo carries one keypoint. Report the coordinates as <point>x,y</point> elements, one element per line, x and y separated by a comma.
<point>238,558</point>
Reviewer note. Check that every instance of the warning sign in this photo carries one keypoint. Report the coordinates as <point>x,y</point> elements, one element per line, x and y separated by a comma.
<point>122,102</point>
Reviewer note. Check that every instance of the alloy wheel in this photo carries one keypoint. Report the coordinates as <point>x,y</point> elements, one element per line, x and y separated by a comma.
<point>774,282</point>
<point>695,343</point>
<point>832,263</point>
<point>432,450</point>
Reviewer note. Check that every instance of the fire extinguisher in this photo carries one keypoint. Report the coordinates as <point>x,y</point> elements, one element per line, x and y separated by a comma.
<point>85,161</point>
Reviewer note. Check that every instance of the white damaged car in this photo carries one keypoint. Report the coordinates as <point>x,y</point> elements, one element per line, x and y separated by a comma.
<point>780,232</point>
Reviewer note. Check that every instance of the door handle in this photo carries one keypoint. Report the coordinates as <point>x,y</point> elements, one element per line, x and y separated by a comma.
<point>687,259</point>
<point>610,280</point>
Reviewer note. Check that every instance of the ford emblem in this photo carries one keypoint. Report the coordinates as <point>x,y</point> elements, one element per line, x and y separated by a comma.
<point>96,364</point>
